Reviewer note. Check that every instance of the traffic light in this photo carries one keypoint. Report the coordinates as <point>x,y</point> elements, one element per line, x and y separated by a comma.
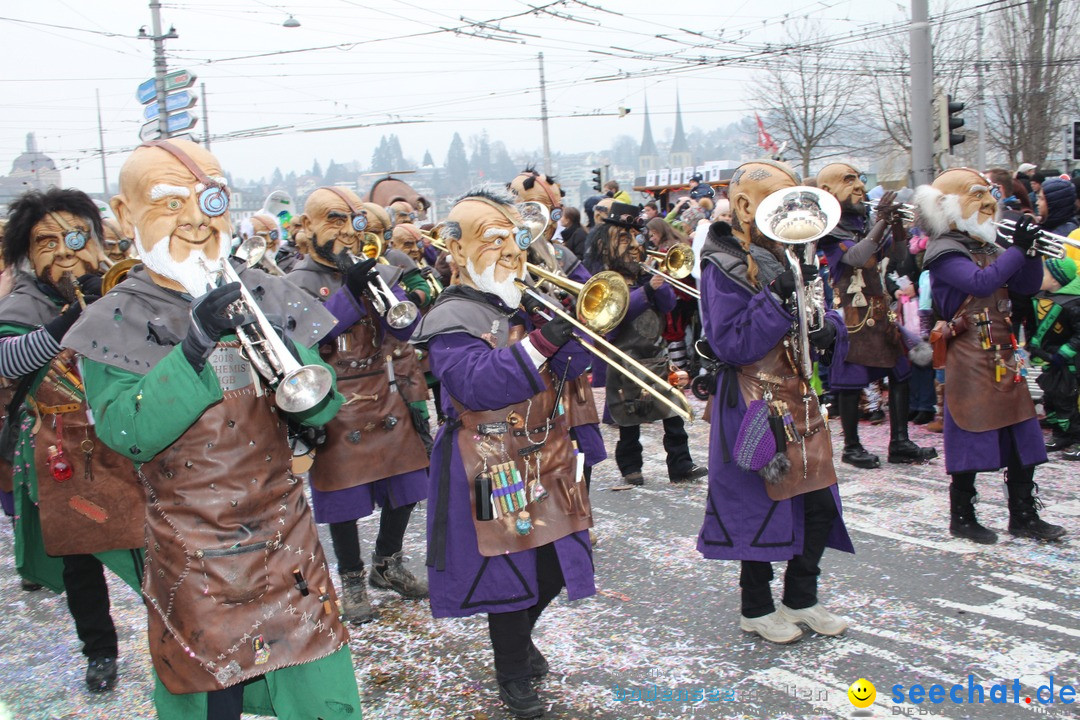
<point>953,122</point>
<point>1076,140</point>
<point>598,179</point>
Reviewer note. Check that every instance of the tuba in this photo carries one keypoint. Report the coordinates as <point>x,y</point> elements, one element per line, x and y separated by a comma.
<point>798,217</point>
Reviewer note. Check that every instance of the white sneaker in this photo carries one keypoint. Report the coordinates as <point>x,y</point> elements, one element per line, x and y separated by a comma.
<point>773,627</point>
<point>817,618</point>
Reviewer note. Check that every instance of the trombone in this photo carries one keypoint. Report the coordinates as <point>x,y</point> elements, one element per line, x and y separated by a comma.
<point>674,265</point>
<point>599,302</point>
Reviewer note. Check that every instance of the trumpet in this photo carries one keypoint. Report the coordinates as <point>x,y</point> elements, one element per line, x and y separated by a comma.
<point>398,313</point>
<point>297,387</point>
<point>674,264</point>
<point>592,325</point>
<point>906,211</point>
<point>1047,243</point>
<point>253,252</point>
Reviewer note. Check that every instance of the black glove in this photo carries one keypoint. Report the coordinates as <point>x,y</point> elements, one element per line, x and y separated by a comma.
<point>357,277</point>
<point>59,325</point>
<point>558,332</point>
<point>211,318</point>
<point>532,305</point>
<point>1025,233</point>
<point>784,285</point>
<point>824,338</point>
<point>90,285</point>
<point>1057,360</point>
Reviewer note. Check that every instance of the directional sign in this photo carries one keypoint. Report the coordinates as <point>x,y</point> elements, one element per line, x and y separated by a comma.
<point>178,122</point>
<point>177,101</point>
<point>176,80</point>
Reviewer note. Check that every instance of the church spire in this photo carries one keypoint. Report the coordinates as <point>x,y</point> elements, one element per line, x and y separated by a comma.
<point>680,149</point>
<point>648,156</point>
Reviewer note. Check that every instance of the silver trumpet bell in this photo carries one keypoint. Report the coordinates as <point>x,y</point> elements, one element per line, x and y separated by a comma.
<point>398,313</point>
<point>296,387</point>
<point>800,216</point>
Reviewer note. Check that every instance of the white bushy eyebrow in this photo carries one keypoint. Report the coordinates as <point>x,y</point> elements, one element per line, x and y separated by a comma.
<point>496,233</point>
<point>978,188</point>
<point>164,190</point>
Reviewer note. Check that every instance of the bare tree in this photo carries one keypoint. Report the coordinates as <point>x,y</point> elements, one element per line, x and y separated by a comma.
<point>805,97</point>
<point>1035,46</point>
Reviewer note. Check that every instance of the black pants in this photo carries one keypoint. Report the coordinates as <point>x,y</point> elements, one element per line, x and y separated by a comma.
<point>800,578</point>
<point>88,602</point>
<point>511,632</point>
<point>346,538</point>
<point>676,443</point>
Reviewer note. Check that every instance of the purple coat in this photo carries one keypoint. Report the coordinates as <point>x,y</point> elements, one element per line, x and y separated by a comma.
<point>952,278</point>
<point>484,378</point>
<point>741,521</point>
<point>842,374</point>
<point>395,491</point>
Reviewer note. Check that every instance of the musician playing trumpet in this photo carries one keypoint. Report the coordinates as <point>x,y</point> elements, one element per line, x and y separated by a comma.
<point>238,592</point>
<point>990,420</point>
<point>373,454</point>
<point>765,503</point>
<point>855,250</point>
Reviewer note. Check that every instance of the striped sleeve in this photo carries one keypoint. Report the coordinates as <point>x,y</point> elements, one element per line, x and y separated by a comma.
<point>23,354</point>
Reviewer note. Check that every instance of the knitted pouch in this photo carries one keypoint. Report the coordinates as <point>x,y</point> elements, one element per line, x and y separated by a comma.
<point>755,444</point>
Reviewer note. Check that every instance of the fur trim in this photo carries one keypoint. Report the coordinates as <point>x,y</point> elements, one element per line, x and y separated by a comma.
<point>774,471</point>
<point>921,355</point>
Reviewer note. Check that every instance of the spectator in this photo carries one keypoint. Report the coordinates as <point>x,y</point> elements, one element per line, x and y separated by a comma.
<point>573,235</point>
<point>1057,206</point>
<point>611,189</point>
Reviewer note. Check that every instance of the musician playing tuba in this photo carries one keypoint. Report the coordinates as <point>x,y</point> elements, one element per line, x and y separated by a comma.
<point>855,250</point>
<point>230,540</point>
<point>77,504</point>
<point>772,485</point>
<point>990,420</point>
<point>374,454</point>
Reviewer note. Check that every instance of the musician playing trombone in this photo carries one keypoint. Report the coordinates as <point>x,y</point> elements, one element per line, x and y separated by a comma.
<point>241,605</point>
<point>374,454</point>
<point>766,504</point>
<point>509,513</point>
<point>621,248</point>
<point>990,420</point>
<point>873,350</point>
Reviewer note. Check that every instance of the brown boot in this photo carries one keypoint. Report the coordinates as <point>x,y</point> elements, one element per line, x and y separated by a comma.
<point>938,423</point>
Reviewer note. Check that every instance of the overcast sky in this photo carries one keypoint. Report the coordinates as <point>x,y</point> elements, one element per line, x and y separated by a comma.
<point>437,80</point>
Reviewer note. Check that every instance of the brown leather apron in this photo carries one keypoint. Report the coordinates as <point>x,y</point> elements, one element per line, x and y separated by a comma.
<point>372,436</point>
<point>873,336</point>
<point>102,505</point>
<point>235,576</point>
<point>525,437</point>
<point>811,459</point>
<point>979,400</point>
<point>409,370</point>
<point>579,402</point>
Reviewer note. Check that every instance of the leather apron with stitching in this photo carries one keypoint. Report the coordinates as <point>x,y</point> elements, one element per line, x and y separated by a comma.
<point>235,577</point>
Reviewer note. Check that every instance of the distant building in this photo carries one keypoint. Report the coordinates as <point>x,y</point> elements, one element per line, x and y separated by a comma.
<point>679,155</point>
<point>648,155</point>
<point>32,170</point>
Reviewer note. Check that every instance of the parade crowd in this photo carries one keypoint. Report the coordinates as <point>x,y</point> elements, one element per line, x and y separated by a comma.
<point>186,400</point>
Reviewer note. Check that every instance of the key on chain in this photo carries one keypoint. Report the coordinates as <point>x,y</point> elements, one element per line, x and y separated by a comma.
<point>87,446</point>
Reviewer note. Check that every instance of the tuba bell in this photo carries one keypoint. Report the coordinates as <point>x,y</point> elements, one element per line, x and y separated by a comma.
<point>798,217</point>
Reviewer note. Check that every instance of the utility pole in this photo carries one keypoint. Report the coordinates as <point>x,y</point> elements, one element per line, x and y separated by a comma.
<point>544,119</point>
<point>159,65</point>
<point>980,98</point>
<point>205,116</point>
<point>101,145</point>
<point>922,137</point>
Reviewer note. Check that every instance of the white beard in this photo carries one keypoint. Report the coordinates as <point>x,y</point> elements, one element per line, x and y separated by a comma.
<point>191,273</point>
<point>984,231</point>
<point>506,290</point>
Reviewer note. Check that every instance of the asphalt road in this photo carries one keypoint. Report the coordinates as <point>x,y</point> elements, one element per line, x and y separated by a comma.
<point>924,609</point>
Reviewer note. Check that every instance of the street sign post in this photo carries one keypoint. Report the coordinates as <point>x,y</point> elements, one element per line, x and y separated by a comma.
<point>178,122</point>
<point>177,101</point>
<point>176,80</point>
